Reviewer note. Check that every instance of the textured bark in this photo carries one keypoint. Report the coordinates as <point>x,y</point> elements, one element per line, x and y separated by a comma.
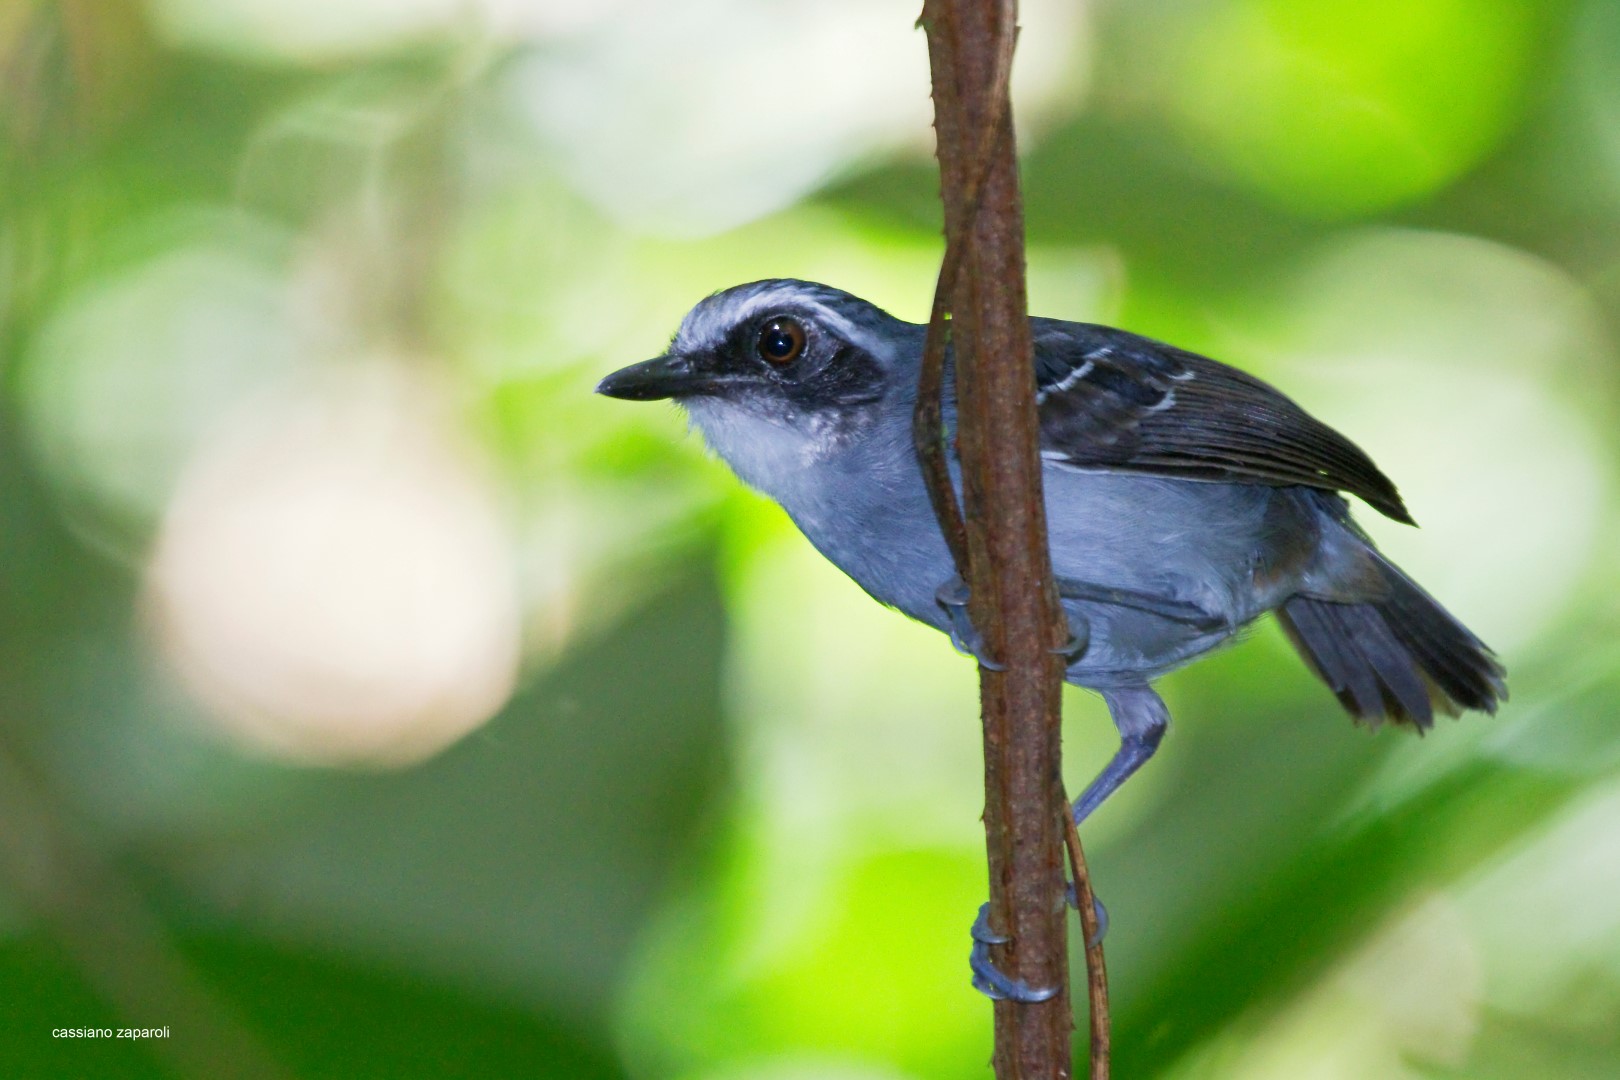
<point>1014,605</point>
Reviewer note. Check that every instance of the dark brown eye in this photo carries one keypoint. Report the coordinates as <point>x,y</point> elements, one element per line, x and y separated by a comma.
<point>781,340</point>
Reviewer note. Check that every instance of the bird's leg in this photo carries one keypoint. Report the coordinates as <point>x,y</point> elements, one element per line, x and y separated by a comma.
<point>1141,717</point>
<point>1179,610</point>
<point>953,597</point>
<point>1138,713</point>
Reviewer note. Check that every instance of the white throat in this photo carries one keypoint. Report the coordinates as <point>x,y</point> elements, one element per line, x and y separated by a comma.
<point>774,457</point>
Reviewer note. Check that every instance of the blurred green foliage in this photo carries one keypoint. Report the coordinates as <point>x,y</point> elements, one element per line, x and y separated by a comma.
<point>376,701</point>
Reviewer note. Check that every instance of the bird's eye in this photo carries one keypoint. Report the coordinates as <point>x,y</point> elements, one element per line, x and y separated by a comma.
<point>781,340</point>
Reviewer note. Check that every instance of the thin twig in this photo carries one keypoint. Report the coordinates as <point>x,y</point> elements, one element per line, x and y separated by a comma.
<point>1096,970</point>
<point>928,422</point>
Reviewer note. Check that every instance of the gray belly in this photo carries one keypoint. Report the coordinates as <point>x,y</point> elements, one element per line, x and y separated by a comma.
<point>1234,551</point>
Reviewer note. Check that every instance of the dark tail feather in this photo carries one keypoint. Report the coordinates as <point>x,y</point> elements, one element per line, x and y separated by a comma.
<point>1397,656</point>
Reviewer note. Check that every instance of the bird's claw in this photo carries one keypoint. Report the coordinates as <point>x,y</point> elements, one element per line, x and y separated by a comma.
<point>953,593</point>
<point>987,978</point>
<point>1076,646</point>
<point>982,932</point>
<point>1096,908</point>
<point>953,597</point>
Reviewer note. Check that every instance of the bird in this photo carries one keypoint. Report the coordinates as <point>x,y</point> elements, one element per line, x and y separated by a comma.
<point>1185,499</point>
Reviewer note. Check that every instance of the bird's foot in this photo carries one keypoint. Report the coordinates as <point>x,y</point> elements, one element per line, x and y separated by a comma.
<point>989,979</point>
<point>953,597</point>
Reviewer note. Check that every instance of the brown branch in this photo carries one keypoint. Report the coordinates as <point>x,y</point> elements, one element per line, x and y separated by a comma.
<point>1001,540</point>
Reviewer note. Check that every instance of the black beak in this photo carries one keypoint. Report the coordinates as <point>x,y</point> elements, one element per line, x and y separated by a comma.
<point>651,380</point>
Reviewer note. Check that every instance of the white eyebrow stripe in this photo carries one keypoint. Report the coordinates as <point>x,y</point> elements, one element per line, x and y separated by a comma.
<point>708,323</point>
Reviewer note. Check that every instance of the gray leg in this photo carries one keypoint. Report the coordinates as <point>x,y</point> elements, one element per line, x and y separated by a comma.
<point>1141,717</point>
<point>1179,610</point>
<point>1138,713</point>
<point>953,597</point>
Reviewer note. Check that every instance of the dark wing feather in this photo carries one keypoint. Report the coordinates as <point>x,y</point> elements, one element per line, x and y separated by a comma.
<point>1111,399</point>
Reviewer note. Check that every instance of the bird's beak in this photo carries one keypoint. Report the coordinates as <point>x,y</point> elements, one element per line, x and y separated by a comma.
<point>671,376</point>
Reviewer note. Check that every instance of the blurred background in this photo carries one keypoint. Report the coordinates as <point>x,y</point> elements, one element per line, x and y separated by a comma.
<point>377,701</point>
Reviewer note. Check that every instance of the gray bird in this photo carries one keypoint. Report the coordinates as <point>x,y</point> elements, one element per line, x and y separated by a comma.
<point>1184,500</point>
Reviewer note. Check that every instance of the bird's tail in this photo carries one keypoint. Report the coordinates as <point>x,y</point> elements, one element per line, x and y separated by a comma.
<point>1397,656</point>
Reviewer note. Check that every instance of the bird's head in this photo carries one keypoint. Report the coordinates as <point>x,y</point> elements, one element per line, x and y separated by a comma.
<point>778,373</point>
<point>772,345</point>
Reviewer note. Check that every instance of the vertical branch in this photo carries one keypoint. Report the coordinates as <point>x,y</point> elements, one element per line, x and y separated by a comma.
<point>1001,537</point>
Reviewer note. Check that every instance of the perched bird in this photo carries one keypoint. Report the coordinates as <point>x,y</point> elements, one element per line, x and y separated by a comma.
<point>1184,500</point>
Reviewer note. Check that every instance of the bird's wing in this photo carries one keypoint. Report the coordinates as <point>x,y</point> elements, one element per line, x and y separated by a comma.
<point>1113,400</point>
